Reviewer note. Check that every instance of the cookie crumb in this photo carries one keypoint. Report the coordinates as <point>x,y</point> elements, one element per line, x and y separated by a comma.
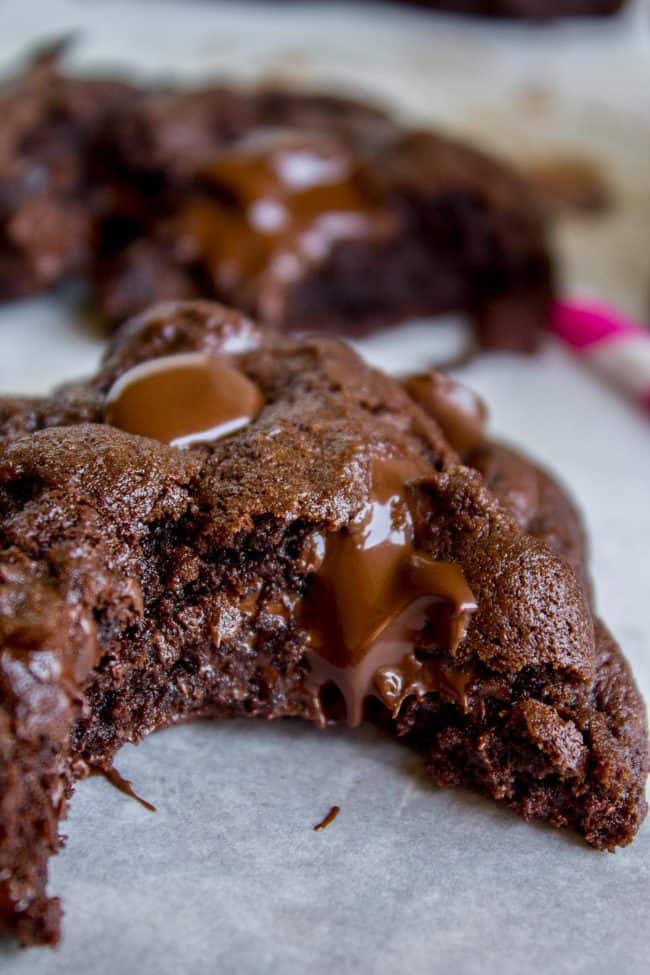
<point>331,816</point>
<point>572,184</point>
<point>124,785</point>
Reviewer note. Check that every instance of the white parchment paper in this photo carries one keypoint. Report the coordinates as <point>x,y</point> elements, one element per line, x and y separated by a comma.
<point>228,876</point>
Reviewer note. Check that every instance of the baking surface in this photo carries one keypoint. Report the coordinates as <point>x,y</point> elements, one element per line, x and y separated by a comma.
<point>229,876</point>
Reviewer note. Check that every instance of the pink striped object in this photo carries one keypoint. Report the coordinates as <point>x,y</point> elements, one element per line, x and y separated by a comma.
<point>614,346</point>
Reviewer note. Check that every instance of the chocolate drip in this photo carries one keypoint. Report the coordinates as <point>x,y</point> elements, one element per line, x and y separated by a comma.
<point>458,411</point>
<point>374,598</point>
<point>277,202</point>
<point>415,677</point>
<point>183,399</point>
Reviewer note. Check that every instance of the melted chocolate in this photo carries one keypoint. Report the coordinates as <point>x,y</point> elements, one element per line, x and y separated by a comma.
<point>286,199</point>
<point>416,676</point>
<point>374,598</point>
<point>458,411</point>
<point>183,399</point>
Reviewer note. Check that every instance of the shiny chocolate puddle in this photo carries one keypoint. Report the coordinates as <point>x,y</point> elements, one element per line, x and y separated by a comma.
<point>374,598</point>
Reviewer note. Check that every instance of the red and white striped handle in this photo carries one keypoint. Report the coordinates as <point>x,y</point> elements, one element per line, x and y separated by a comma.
<point>614,346</point>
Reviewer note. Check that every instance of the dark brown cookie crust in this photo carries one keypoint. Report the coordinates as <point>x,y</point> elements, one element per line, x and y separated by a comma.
<point>536,501</point>
<point>141,585</point>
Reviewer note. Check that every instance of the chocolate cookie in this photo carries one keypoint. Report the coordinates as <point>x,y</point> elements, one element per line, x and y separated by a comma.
<point>271,528</point>
<point>305,210</point>
<point>50,193</point>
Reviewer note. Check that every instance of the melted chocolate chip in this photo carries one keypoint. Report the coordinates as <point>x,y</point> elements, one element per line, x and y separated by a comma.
<point>183,399</point>
<point>459,411</point>
<point>278,201</point>
<point>374,598</point>
<point>415,677</point>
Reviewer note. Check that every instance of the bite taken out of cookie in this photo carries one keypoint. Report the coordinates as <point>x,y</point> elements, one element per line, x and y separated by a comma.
<point>228,521</point>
